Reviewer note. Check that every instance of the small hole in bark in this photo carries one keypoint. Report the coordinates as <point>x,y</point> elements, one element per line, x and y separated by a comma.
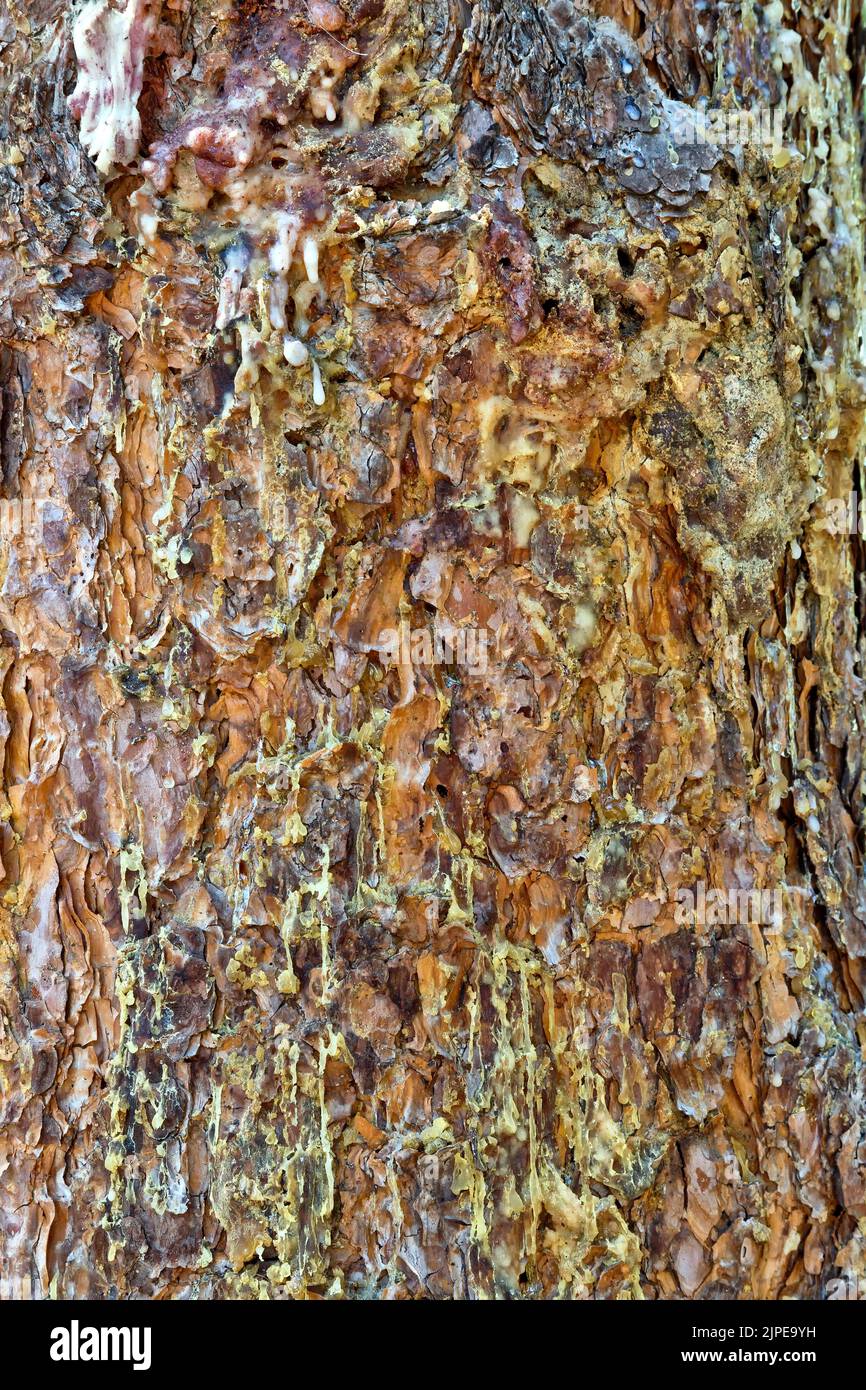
<point>626,262</point>
<point>631,321</point>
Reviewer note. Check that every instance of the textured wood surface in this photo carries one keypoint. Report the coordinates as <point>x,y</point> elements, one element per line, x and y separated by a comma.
<point>427,573</point>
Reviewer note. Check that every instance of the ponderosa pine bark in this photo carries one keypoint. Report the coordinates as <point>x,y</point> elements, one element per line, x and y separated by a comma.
<point>432,632</point>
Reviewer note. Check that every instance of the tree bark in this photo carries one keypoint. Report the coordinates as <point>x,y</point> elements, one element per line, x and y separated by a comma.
<point>432,650</point>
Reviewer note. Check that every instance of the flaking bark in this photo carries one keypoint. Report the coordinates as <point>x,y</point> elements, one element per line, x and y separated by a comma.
<point>443,456</point>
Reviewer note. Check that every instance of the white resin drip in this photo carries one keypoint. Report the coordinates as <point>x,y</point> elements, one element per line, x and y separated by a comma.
<point>109,43</point>
<point>294,352</point>
<point>311,259</point>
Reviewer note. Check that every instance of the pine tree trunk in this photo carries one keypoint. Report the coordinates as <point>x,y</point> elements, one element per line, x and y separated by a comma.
<point>432,650</point>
